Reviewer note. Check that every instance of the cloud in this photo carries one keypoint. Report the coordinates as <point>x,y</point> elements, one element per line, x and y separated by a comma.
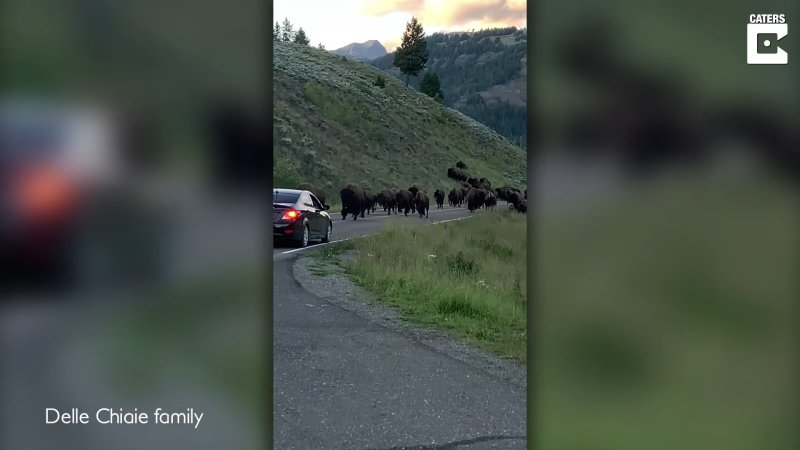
<point>386,18</point>
<point>453,14</point>
<point>381,7</point>
<point>391,44</point>
<point>485,12</point>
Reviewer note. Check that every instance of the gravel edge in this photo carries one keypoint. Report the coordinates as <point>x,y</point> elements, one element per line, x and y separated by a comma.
<point>337,288</point>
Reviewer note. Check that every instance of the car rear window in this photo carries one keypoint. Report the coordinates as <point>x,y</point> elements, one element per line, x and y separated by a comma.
<point>284,197</point>
<point>28,138</point>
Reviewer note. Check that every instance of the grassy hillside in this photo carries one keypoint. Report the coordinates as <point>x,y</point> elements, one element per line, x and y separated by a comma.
<point>483,75</point>
<point>332,126</point>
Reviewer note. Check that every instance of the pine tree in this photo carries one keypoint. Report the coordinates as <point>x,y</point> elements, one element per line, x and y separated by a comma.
<point>300,37</point>
<point>276,33</point>
<point>320,46</point>
<point>412,55</point>
<point>429,85</point>
<point>288,30</point>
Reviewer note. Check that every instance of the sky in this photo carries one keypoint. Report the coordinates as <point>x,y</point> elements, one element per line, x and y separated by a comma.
<point>338,23</point>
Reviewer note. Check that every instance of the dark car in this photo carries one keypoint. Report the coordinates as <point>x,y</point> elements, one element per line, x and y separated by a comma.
<point>65,207</point>
<point>298,216</point>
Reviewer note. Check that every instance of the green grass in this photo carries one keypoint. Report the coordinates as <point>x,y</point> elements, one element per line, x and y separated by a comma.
<point>668,320</point>
<point>465,277</point>
<point>320,268</point>
<point>332,252</point>
<point>338,128</point>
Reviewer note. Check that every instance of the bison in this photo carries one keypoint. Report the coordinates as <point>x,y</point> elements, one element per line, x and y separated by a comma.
<point>371,200</point>
<point>452,197</point>
<point>422,203</point>
<point>319,193</point>
<point>457,174</point>
<point>490,201</point>
<point>388,201</point>
<point>367,205</point>
<point>353,201</point>
<point>404,201</point>
<point>455,197</point>
<point>473,182</point>
<point>502,193</point>
<point>439,196</point>
<point>484,183</point>
<point>475,199</point>
<point>516,199</point>
<point>414,189</point>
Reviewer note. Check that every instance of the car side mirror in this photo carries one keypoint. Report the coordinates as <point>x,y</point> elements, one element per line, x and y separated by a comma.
<point>326,207</point>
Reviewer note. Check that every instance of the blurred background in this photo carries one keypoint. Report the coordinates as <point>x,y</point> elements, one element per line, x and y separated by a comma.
<point>665,228</point>
<point>131,159</point>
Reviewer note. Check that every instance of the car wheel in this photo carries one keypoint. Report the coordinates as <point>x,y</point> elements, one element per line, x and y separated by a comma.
<point>303,242</point>
<point>328,233</point>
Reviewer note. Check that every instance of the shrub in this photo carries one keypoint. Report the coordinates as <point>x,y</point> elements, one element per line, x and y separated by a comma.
<point>459,265</point>
<point>429,85</point>
<point>285,173</point>
<point>380,82</point>
<point>332,104</point>
<point>459,306</point>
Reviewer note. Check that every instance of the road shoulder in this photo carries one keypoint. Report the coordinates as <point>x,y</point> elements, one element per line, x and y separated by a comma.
<point>332,284</point>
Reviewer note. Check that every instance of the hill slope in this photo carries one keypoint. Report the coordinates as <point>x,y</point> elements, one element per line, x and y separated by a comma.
<point>483,74</point>
<point>331,125</point>
<point>364,51</point>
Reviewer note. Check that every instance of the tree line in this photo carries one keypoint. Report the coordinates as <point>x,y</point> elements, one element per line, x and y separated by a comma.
<point>285,33</point>
<point>452,59</point>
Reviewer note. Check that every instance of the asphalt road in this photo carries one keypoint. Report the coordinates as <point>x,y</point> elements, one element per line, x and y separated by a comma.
<point>65,351</point>
<point>341,381</point>
<point>371,223</point>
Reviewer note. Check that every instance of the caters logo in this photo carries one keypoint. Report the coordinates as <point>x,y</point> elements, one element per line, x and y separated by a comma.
<point>763,35</point>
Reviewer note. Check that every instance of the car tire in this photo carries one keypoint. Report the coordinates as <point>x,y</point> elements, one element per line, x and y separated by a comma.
<point>328,233</point>
<point>303,241</point>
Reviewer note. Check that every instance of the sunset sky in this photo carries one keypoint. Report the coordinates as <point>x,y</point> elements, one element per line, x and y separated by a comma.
<point>338,23</point>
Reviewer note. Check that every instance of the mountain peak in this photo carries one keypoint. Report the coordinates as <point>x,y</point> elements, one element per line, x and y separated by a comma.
<point>363,51</point>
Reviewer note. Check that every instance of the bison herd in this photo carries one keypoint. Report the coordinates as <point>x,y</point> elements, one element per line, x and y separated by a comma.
<point>473,192</point>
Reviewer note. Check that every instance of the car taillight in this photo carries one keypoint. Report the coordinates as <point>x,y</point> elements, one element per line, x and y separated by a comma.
<point>44,192</point>
<point>291,215</point>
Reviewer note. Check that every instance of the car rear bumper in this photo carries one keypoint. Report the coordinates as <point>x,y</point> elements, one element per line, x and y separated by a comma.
<point>287,231</point>
<point>33,256</point>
